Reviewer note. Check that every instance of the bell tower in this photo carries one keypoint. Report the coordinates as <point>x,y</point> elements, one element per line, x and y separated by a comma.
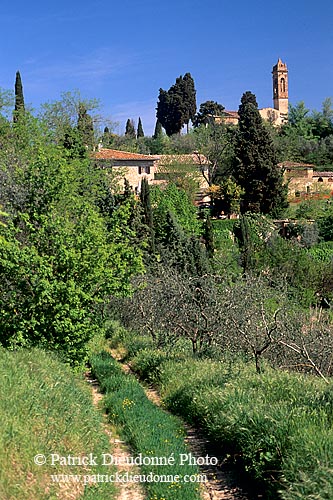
<point>280,87</point>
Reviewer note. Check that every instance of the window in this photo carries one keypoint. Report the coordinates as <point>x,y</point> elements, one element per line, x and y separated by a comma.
<point>144,170</point>
<point>283,85</point>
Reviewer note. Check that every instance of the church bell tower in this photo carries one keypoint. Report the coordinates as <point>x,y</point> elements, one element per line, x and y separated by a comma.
<point>280,87</point>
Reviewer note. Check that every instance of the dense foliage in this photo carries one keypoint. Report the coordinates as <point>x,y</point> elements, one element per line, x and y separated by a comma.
<point>62,255</point>
<point>255,163</point>
<point>177,106</point>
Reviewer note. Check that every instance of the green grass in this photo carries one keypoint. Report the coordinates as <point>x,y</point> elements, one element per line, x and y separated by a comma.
<point>46,409</point>
<point>278,424</point>
<point>147,428</point>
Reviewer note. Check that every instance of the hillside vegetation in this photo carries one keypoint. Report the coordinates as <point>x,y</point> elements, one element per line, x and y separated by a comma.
<point>46,410</point>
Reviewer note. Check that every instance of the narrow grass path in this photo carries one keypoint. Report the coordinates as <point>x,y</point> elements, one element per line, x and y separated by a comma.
<point>221,483</point>
<point>156,437</point>
<point>120,451</point>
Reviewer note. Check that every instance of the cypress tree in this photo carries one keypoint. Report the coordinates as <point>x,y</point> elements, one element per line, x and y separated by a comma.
<point>140,132</point>
<point>107,138</point>
<point>147,210</point>
<point>177,106</point>
<point>128,193</point>
<point>179,250</point>
<point>256,166</point>
<point>146,203</point>
<point>189,99</point>
<point>130,130</point>
<point>209,237</point>
<point>170,109</point>
<point>85,127</point>
<point>19,98</point>
<point>158,132</point>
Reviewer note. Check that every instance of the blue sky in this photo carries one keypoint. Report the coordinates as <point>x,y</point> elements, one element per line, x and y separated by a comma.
<point>122,52</point>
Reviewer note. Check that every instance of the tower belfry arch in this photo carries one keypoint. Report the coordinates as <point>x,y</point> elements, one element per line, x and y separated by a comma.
<point>280,87</point>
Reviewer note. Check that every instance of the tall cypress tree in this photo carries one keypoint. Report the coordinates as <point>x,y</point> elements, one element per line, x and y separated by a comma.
<point>177,106</point>
<point>85,127</point>
<point>189,99</point>
<point>19,98</point>
<point>170,109</point>
<point>256,166</point>
<point>209,237</point>
<point>146,203</point>
<point>130,129</point>
<point>147,210</point>
<point>158,132</point>
<point>140,132</point>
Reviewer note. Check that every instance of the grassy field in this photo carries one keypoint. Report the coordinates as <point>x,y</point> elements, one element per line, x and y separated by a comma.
<point>278,426</point>
<point>47,410</point>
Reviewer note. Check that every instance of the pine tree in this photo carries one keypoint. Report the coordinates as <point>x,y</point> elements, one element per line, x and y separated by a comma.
<point>255,164</point>
<point>207,111</point>
<point>140,132</point>
<point>19,98</point>
<point>130,129</point>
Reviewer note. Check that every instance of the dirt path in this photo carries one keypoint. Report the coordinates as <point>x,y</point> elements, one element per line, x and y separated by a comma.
<point>221,484</point>
<point>119,450</point>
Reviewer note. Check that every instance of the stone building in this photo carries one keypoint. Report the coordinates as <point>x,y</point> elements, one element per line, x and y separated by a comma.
<point>279,113</point>
<point>132,166</point>
<point>303,179</point>
<point>159,169</point>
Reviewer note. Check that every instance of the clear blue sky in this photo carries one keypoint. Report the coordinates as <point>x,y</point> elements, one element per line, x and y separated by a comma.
<point>122,52</point>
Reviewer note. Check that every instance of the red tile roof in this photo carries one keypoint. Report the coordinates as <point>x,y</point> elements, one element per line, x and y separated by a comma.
<point>114,154</point>
<point>233,114</point>
<point>295,164</point>
<point>195,158</point>
<point>322,174</point>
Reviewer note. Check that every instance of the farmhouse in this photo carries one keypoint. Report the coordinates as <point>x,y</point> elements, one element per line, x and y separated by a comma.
<point>132,166</point>
<point>158,169</point>
<point>303,179</point>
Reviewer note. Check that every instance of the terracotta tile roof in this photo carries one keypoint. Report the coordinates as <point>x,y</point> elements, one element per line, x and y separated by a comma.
<point>322,174</point>
<point>195,158</point>
<point>231,113</point>
<point>295,164</point>
<point>114,154</point>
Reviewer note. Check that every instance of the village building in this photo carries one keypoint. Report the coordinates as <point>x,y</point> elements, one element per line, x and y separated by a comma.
<point>303,179</point>
<point>130,166</point>
<point>279,113</point>
<point>158,169</point>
